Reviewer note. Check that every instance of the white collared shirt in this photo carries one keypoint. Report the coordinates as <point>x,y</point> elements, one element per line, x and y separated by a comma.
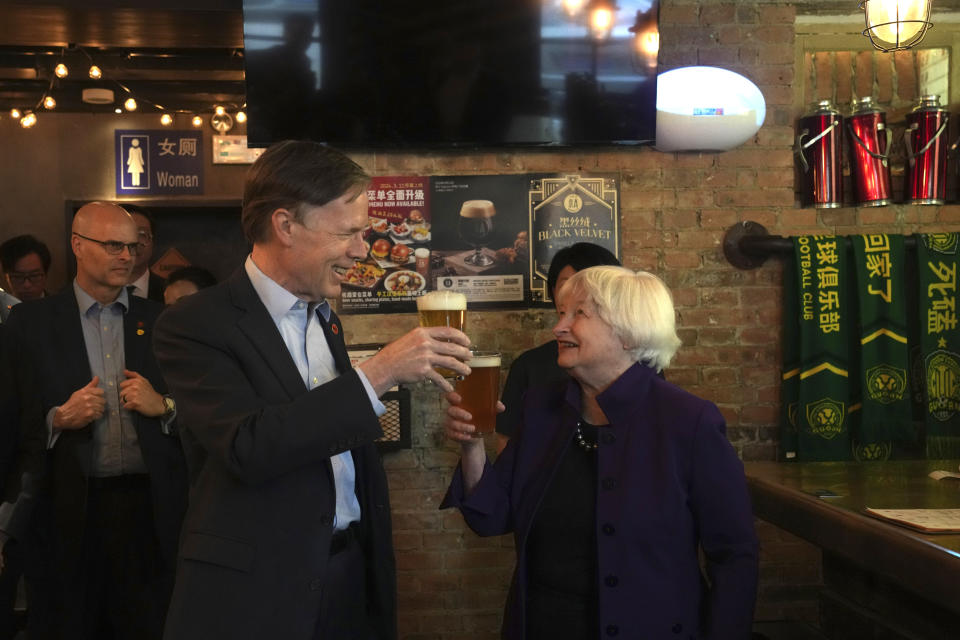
<point>289,314</point>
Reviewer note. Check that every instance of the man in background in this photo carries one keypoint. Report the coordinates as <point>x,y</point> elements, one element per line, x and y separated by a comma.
<point>25,261</point>
<point>99,468</point>
<point>145,283</point>
<point>186,281</point>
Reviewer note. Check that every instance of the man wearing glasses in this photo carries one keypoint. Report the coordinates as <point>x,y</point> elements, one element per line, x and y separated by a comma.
<point>145,283</point>
<point>25,261</point>
<point>98,456</point>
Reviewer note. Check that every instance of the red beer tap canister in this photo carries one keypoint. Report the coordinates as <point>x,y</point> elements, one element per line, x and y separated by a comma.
<point>926,144</point>
<point>818,149</point>
<point>869,154</point>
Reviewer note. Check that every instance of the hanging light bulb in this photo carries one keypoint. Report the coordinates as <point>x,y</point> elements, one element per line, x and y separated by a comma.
<point>572,7</point>
<point>601,18</point>
<point>15,114</point>
<point>118,110</point>
<point>130,104</point>
<point>61,70</point>
<point>28,120</point>
<point>649,43</point>
<point>49,103</point>
<point>166,119</point>
<point>219,110</point>
<point>646,39</point>
<point>893,25</point>
<point>95,72</point>
<point>241,117</point>
<point>197,121</point>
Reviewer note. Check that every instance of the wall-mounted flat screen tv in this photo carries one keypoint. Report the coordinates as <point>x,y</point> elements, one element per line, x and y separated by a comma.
<point>389,74</point>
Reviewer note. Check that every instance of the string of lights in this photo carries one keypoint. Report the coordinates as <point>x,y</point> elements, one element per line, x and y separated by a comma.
<point>221,119</point>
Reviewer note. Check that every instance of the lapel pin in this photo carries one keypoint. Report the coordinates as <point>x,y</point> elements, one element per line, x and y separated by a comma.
<point>335,329</point>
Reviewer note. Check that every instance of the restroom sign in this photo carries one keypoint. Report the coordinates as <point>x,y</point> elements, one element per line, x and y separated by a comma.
<point>159,162</point>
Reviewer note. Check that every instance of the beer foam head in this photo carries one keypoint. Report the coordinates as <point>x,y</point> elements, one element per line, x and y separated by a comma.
<point>477,209</point>
<point>481,359</point>
<point>442,301</point>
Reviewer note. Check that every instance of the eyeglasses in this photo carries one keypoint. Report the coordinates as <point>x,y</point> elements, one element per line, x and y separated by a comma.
<point>144,238</point>
<point>113,247</point>
<point>33,277</point>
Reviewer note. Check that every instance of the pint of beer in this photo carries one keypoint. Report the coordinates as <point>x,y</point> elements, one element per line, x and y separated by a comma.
<point>481,389</point>
<point>443,309</point>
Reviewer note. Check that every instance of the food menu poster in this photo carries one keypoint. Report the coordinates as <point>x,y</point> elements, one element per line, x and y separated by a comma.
<point>490,237</point>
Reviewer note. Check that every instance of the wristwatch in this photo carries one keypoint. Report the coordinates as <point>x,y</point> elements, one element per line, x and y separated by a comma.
<point>169,408</point>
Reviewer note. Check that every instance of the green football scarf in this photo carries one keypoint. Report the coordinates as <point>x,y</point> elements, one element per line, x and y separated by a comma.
<point>940,341</point>
<point>883,360</point>
<point>823,397</point>
<point>790,376</point>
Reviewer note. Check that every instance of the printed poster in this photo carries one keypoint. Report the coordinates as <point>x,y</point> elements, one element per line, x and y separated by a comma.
<point>490,237</point>
<point>397,240</point>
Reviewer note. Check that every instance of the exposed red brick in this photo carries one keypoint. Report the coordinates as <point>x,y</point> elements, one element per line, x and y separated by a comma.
<point>754,414</point>
<point>775,34</point>
<point>681,259</point>
<point>718,218</point>
<point>730,35</point>
<point>884,71</point>
<point>754,197</point>
<point>906,75</point>
<point>844,78</point>
<point>679,14</point>
<point>771,54</point>
<point>777,14</point>
<point>717,14</point>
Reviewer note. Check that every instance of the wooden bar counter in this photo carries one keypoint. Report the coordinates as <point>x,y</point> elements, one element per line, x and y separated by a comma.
<point>881,580</point>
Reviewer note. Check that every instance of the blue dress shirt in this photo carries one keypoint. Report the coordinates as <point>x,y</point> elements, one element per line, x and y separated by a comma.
<point>300,328</point>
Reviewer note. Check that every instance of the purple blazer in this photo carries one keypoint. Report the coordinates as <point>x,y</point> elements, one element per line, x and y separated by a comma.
<point>668,482</point>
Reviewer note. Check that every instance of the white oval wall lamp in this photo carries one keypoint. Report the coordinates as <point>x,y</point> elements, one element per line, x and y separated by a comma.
<point>706,109</point>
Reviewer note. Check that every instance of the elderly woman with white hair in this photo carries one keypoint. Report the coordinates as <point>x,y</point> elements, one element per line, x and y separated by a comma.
<point>615,483</point>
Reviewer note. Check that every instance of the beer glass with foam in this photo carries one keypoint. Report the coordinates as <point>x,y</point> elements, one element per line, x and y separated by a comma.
<point>443,309</point>
<point>476,226</point>
<point>481,389</point>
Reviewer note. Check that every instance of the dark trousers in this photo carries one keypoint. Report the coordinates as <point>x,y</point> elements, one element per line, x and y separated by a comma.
<point>125,591</point>
<point>31,559</point>
<point>9,580</point>
<point>343,608</point>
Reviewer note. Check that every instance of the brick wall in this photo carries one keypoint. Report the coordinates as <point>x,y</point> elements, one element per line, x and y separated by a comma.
<point>675,210</point>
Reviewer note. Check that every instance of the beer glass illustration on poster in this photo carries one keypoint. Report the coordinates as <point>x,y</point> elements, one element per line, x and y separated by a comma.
<point>397,242</point>
<point>481,242</point>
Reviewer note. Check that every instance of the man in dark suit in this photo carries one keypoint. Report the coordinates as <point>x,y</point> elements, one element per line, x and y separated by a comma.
<point>99,467</point>
<point>145,283</point>
<point>288,530</point>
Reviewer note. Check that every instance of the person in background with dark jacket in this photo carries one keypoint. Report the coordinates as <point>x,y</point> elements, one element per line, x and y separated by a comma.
<point>99,464</point>
<point>25,261</point>
<point>186,281</point>
<point>145,283</point>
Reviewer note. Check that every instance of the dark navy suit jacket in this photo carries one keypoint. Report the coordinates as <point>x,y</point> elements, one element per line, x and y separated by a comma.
<point>256,538</point>
<point>668,482</point>
<point>46,346</point>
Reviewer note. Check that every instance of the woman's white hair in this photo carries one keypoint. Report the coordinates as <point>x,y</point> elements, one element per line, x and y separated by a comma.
<point>637,305</point>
